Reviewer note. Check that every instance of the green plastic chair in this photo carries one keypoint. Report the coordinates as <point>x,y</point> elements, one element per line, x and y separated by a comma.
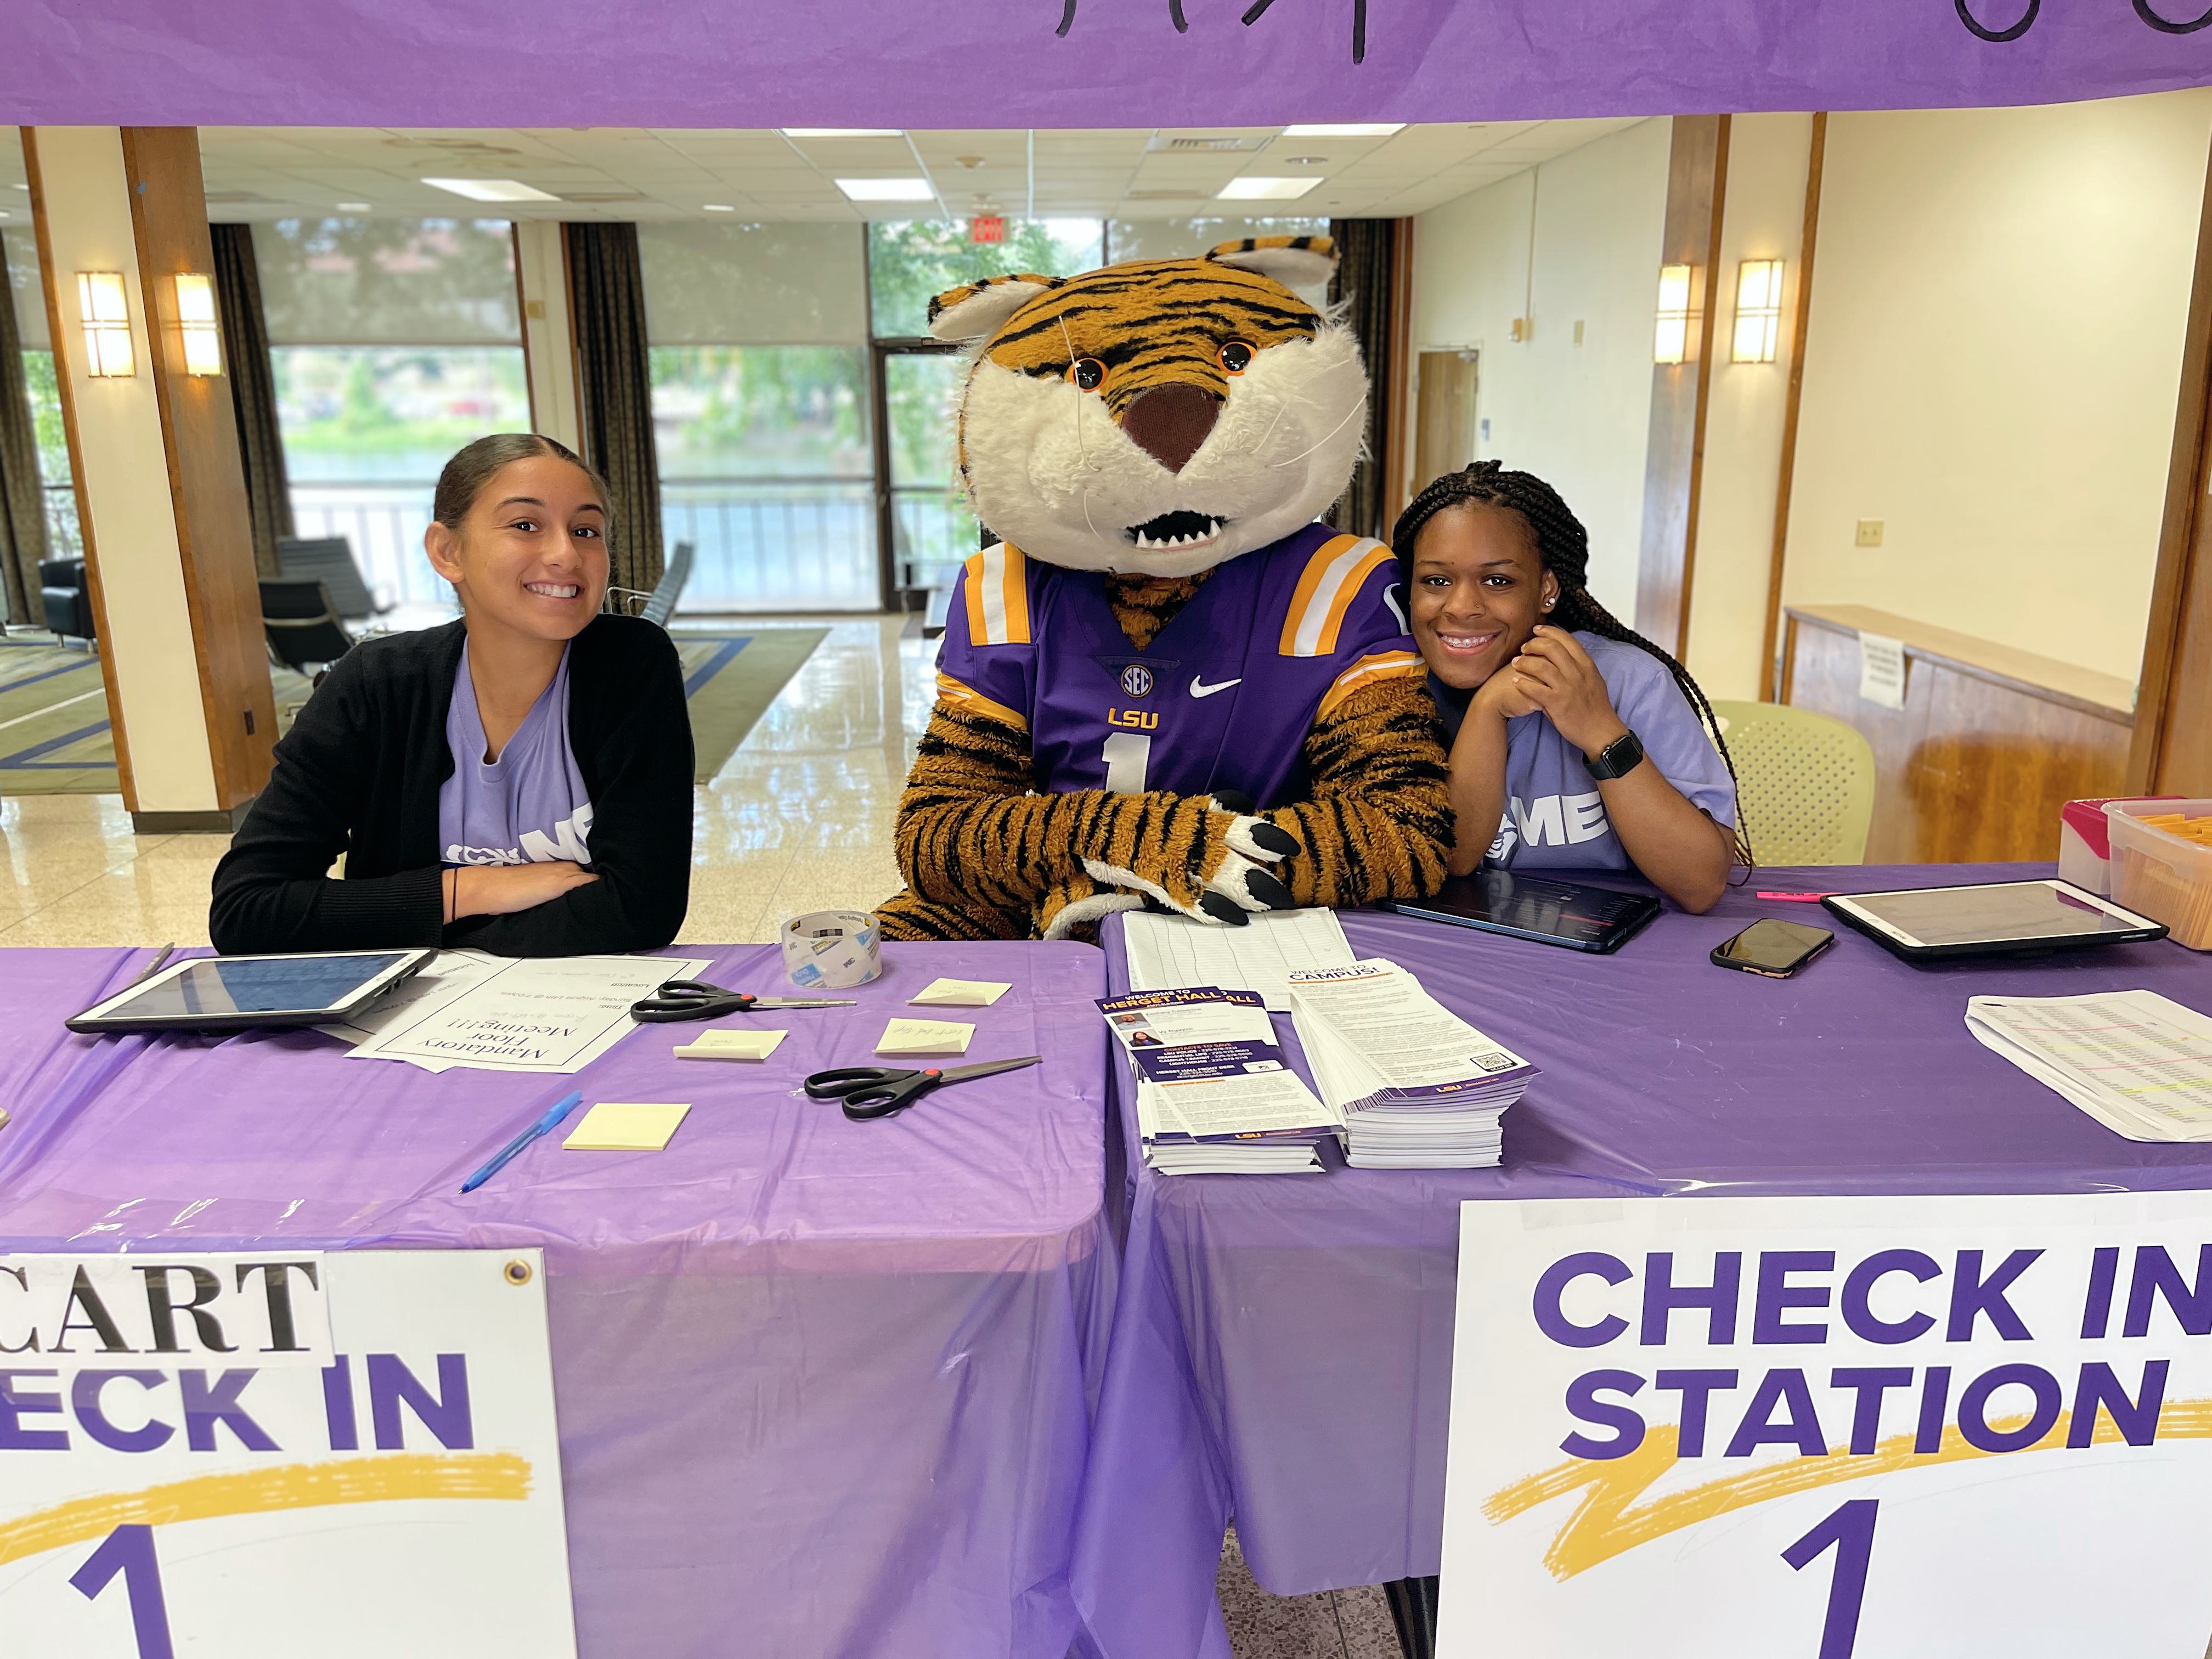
<point>1804,783</point>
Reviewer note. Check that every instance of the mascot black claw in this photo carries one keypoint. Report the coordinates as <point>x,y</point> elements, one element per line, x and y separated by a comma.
<point>1166,683</point>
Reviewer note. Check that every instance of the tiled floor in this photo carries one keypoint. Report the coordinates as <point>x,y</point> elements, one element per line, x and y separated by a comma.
<point>1346,1624</point>
<point>799,820</point>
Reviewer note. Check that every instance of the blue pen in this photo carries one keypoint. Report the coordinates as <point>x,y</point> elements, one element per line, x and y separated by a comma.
<point>545,1125</point>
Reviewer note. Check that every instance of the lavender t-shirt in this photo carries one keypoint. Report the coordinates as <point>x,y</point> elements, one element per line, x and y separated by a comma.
<point>529,807</point>
<point>1554,816</point>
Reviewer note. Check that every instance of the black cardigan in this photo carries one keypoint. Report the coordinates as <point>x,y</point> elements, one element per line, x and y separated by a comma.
<point>359,775</point>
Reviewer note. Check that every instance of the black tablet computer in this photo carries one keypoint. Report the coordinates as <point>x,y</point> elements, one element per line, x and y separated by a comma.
<point>1573,913</point>
<point>2001,918</point>
<point>231,994</point>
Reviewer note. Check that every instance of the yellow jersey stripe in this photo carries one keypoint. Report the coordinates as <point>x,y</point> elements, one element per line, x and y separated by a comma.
<point>1015,590</point>
<point>1381,666</point>
<point>1334,576</point>
<point>997,596</point>
<point>968,697</point>
<point>1309,580</point>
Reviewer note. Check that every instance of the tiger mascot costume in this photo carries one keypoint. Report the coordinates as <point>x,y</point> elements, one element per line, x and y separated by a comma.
<point>1165,682</point>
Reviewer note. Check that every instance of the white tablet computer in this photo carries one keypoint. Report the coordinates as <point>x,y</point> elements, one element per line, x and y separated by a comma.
<point>229,994</point>
<point>2002,918</point>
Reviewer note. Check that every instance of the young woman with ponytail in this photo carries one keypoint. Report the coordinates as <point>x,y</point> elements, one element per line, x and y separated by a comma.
<point>1574,742</point>
<point>517,781</point>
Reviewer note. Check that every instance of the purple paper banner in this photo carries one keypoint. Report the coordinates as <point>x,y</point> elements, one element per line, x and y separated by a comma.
<point>979,64</point>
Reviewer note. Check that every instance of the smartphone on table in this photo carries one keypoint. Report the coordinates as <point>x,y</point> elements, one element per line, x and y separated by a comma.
<point>1771,949</point>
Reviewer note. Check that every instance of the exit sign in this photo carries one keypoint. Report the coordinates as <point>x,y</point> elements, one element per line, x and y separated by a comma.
<point>990,228</point>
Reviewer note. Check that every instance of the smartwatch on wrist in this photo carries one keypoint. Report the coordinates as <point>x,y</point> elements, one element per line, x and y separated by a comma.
<point>1617,759</point>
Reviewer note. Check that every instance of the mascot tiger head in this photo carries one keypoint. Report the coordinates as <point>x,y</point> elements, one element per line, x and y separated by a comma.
<point>1160,417</point>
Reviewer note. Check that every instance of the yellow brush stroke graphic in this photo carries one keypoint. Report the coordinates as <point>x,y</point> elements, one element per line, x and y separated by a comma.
<point>1608,1522</point>
<point>256,1491</point>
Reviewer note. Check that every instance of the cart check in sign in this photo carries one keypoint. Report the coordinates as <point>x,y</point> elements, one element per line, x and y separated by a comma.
<point>1978,1428</point>
<point>280,1453</point>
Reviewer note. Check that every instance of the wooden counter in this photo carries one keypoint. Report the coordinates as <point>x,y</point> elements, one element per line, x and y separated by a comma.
<point>1991,741</point>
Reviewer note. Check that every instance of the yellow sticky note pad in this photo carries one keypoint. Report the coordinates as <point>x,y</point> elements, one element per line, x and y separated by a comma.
<point>925,1036</point>
<point>730,1045</point>
<point>615,1125</point>
<point>961,993</point>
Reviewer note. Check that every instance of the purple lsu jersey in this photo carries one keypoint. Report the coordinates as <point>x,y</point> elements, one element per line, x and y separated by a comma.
<point>1221,699</point>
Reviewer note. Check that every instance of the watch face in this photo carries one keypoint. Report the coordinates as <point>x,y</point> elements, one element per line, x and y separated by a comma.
<point>1618,757</point>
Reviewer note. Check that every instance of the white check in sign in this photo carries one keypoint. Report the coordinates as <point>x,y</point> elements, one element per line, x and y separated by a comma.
<point>1839,1428</point>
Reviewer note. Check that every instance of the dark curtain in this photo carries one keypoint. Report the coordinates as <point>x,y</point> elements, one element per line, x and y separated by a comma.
<point>22,497</point>
<point>606,300</point>
<point>1366,278</point>
<point>253,391</point>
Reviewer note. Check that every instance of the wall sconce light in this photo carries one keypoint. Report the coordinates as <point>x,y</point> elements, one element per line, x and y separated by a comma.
<point>195,313</point>
<point>1672,342</point>
<point>106,316</point>
<point>1758,310</point>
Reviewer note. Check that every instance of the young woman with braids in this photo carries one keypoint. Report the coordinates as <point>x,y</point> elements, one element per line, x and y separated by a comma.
<point>1576,742</point>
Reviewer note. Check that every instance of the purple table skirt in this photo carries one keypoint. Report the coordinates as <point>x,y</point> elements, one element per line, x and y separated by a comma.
<point>1282,1344</point>
<point>827,1384</point>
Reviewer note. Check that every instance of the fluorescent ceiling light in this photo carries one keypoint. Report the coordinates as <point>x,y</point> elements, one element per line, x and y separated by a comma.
<point>491,190</point>
<point>888,190</point>
<point>842,132</point>
<point>1249,189</point>
<point>717,207</point>
<point>353,207</point>
<point>1345,129</point>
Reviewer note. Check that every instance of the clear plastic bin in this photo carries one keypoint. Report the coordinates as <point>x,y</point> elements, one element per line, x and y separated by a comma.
<point>2166,877</point>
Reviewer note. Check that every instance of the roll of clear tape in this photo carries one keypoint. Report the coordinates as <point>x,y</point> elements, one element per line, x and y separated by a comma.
<point>832,949</point>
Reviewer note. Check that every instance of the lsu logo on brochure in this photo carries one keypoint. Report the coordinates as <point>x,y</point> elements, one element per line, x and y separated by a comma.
<point>1137,680</point>
<point>1132,720</point>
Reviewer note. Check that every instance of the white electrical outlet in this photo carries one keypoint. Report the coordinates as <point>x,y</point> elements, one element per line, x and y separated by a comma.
<point>1869,532</point>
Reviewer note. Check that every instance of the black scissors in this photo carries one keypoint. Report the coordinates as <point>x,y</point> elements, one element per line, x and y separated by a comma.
<point>692,999</point>
<point>879,1090</point>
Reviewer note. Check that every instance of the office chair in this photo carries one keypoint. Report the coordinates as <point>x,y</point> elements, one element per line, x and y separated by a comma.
<point>329,559</point>
<point>302,625</point>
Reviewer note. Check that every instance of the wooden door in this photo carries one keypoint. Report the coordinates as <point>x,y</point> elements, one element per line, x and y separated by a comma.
<point>1444,434</point>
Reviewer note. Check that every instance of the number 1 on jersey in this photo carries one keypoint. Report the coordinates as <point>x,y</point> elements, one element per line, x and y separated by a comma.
<point>1127,755</point>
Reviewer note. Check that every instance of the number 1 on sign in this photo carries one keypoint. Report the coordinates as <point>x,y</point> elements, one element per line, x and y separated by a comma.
<point>1850,1527</point>
<point>130,1551</point>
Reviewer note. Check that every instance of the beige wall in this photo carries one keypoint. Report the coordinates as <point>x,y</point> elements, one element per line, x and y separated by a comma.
<point>124,479</point>
<point>1763,217</point>
<point>1577,414</point>
<point>1992,368</point>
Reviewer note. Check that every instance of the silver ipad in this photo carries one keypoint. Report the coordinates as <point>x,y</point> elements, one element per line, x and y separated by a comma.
<point>218,993</point>
<point>1991,919</point>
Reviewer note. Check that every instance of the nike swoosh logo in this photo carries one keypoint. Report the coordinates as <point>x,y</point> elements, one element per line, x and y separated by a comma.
<point>1198,688</point>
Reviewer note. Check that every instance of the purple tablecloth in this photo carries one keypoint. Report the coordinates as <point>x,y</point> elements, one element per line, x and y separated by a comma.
<point>823,1387</point>
<point>1282,1344</point>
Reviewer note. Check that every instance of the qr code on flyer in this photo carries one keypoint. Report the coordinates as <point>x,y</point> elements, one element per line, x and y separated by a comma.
<point>1493,1063</point>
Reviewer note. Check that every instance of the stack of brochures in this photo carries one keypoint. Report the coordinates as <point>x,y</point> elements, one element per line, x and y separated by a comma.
<point>1215,1095</point>
<point>1417,1087</point>
<point>2138,1063</point>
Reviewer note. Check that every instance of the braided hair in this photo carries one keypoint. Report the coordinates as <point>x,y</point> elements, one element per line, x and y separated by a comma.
<point>1563,545</point>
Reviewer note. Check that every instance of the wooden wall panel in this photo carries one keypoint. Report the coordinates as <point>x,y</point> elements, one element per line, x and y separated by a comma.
<point>1975,765</point>
<point>2173,752</point>
<point>1697,184</point>
<point>207,478</point>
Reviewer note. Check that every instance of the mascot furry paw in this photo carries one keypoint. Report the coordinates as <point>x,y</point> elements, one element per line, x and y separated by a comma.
<point>1166,683</point>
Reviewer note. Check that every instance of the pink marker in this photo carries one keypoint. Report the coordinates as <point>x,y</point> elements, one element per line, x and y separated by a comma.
<point>1795,898</point>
